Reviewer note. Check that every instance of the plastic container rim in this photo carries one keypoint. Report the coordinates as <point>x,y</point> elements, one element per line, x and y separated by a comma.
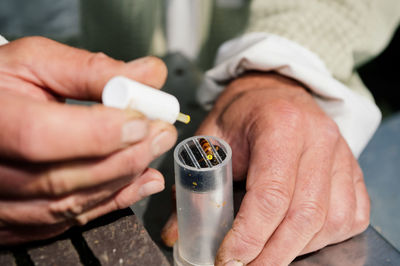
<point>222,164</point>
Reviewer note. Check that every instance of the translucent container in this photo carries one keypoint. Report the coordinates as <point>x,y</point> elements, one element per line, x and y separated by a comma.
<point>204,198</point>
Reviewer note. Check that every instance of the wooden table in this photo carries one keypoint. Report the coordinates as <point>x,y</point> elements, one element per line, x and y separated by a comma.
<point>114,239</point>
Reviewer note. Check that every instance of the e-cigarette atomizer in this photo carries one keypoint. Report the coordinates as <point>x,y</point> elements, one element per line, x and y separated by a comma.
<point>204,198</point>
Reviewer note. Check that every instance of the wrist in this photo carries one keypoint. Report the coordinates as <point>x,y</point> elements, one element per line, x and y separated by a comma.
<point>257,80</point>
<point>251,81</point>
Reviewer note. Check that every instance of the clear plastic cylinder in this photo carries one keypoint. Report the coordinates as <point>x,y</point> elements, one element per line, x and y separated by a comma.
<point>204,198</point>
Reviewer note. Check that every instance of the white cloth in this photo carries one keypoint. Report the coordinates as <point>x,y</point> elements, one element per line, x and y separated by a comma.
<point>356,116</point>
<point>3,40</point>
<point>187,23</point>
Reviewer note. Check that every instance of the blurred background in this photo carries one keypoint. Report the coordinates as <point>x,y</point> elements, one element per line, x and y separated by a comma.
<point>59,20</point>
<point>70,22</point>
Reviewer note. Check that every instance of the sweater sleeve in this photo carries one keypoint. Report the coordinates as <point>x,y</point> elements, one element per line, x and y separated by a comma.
<point>343,33</point>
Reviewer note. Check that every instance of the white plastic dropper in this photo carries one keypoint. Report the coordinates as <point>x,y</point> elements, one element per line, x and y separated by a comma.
<point>121,92</point>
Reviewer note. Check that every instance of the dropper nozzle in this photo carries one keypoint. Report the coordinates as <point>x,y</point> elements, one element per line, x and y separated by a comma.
<point>184,118</point>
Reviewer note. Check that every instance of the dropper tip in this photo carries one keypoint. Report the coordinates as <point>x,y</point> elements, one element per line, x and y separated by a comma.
<point>184,118</point>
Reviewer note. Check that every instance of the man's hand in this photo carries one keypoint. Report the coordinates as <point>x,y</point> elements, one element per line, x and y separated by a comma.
<point>61,164</point>
<point>304,188</point>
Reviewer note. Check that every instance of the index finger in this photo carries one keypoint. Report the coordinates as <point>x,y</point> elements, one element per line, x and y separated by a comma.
<point>49,131</point>
<point>75,73</point>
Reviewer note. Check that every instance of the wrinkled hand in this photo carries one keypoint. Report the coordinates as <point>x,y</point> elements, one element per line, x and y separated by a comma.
<point>61,164</point>
<point>304,188</point>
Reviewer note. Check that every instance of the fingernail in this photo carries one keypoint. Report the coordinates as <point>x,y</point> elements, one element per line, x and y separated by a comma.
<point>163,142</point>
<point>150,188</point>
<point>234,263</point>
<point>134,131</point>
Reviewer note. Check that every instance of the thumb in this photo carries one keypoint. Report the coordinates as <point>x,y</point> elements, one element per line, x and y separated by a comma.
<point>169,233</point>
<point>75,73</point>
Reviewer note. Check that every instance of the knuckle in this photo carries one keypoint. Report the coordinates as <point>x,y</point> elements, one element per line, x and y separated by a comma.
<point>308,218</point>
<point>122,202</point>
<point>358,174</point>
<point>329,129</point>
<point>362,220</point>
<point>272,199</point>
<point>34,40</point>
<point>362,217</point>
<point>25,48</point>
<point>81,220</point>
<point>97,59</point>
<point>31,42</point>
<point>53,184</point>
<point>340,221</point>
<point>288,114</point>
<point>341,214</point>
<point>100,62</point>
<point>28,144</point>
<point>246,239</point>
<point>67,208</point>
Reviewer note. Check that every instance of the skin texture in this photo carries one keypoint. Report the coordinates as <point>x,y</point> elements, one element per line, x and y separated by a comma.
<point>62,165</point>
<point>304,188</point>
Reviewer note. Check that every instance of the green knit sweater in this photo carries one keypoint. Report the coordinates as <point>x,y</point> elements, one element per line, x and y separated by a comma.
<point>343,33</point>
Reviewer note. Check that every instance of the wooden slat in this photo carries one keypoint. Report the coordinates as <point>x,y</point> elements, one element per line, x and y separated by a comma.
<point>7,259</point>
<point>60,252</point>
<point>124,242</point>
